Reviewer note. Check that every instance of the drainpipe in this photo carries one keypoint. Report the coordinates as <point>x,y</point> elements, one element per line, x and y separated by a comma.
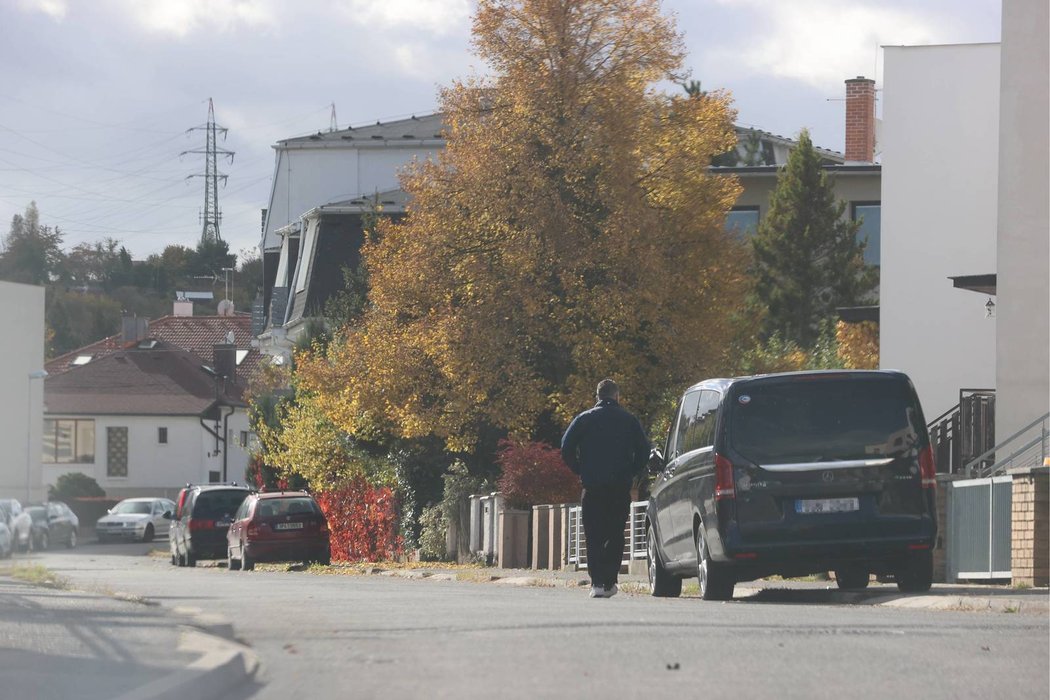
<point>225,441</point>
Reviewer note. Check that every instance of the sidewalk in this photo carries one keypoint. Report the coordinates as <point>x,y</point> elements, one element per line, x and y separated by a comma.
<point>62,644</point>
<point>943,596</point>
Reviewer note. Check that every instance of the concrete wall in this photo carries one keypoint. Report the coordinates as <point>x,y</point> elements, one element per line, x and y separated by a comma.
<point>21,411</point>
<point>156,469</point>
<point>1023,248</point>
<point>939,188</point>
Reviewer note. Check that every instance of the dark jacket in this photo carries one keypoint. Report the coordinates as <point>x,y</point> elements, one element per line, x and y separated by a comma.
<point>605,445</point>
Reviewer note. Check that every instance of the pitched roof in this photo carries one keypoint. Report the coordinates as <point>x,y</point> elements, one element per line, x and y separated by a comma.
<point>150,378</point>
<point>196,334</point>
<point>422,128</point>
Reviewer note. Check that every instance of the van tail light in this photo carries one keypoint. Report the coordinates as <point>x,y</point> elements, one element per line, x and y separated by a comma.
<point>724,487</point>
<point>927,468</point>
<point>196,524</point>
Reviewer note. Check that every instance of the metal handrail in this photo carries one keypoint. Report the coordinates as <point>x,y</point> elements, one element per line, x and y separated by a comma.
<point>1017,453</point>
<point>968,469</point>
<point>944,415</point>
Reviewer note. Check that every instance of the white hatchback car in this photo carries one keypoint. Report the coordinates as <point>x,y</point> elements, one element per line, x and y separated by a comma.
<point>135,519</point>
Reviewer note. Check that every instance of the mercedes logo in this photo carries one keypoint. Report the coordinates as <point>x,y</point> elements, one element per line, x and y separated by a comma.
<point>828,477</point>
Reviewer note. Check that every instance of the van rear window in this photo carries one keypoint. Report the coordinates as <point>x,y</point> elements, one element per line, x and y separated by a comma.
<point>217,504</point>
<point>779,422</point>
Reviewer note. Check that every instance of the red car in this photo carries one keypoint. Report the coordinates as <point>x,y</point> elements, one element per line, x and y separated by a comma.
<point>277,527</point>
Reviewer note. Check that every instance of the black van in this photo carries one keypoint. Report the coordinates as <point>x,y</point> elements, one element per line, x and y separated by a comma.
<point>202,517</point>
<point>793,474</point>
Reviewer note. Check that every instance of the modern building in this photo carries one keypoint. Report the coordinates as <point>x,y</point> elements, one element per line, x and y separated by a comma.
<point>22,386</point>
<point>327,184</point>
<point>966,235</point>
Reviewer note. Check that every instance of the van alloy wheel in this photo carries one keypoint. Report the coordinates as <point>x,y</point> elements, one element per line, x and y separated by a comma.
<point>661,583</point>
<point>715,582</point>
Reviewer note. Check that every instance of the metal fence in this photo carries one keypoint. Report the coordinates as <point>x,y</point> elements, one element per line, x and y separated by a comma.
<point>634,533</point>
<point>979,512</point>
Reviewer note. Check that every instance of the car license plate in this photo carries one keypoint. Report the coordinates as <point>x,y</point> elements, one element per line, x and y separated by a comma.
<point>288,526</point>
<point>827,505</point>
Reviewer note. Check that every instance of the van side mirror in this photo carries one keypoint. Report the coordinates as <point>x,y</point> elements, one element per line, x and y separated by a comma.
<point>656,461</point>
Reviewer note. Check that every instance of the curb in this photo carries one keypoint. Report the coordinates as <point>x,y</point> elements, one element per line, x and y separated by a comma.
<point>222,666</point>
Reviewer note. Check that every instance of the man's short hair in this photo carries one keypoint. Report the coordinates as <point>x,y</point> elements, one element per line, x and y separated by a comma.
<point>608,389</point>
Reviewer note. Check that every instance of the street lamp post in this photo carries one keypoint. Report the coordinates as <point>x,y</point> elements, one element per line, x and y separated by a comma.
<point>35,374</point>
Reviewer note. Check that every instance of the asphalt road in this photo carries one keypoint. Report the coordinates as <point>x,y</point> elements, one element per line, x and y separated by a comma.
<point>354,636</point>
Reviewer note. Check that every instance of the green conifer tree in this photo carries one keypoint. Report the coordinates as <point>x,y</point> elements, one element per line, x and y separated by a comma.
<point>808,261</point>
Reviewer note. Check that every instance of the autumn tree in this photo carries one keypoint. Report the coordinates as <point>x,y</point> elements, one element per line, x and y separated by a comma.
<point>808,260</point>
<point>569,231</point>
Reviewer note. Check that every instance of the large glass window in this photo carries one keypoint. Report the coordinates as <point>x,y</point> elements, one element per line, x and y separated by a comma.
<point>869,214</point>
<point>68,441</point>
<point>686,416</point>
<point>742,220</point>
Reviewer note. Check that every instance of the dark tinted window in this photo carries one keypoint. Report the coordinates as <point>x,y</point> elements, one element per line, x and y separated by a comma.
<point>272,507</point>
<point>219,503</point>
<point>38,513</point>
<point>685,417</point>
<point>824,419</point>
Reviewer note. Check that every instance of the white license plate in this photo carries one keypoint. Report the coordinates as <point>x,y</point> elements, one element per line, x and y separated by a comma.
<point>827,505</point>
<point>288,526</point>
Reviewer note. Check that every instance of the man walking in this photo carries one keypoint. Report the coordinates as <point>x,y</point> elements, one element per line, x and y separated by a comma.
<point>607,447</point>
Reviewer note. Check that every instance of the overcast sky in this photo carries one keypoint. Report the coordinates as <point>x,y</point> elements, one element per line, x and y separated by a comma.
<point>96,95</point>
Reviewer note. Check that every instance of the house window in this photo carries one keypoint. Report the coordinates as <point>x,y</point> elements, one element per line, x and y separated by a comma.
<point>162,436</point>
<point>69,441</point>
<point>213,477</point>
<point>244,439</point>
<point>116,452</point>
<point>742,220</point>
<point>869,214</point>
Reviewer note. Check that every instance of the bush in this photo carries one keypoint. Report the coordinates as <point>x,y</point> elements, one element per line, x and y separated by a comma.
<point>363,520</point>
<point>433,527</point>
<point>74,485</point>
<point>534,473</point>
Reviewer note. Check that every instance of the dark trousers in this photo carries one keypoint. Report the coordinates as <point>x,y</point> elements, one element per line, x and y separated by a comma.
<point>605,510</point>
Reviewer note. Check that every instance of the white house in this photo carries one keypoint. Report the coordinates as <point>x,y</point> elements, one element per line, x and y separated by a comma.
<point>22,318</point>
<point>966,234</point>
<point>146,419</point>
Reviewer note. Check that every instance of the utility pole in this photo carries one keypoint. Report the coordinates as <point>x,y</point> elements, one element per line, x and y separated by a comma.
<point>211,216</point>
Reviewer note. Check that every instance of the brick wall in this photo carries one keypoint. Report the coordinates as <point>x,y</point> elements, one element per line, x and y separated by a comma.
<point>1030,527</point>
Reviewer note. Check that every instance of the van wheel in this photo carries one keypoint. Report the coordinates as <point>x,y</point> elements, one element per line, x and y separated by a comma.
<point>715,582</point>
<point>916,575</point>
<point>661,583</point>
<point>852,577</point>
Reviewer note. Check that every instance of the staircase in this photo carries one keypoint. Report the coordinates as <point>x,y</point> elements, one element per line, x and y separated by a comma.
<point>964,431</point>
<point>1028,447</point>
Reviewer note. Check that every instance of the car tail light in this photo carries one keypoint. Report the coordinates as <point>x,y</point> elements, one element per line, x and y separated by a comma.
<point>196,524</point>
<point>724,487</point>
<point>927,468</point>
<point>253,530</point>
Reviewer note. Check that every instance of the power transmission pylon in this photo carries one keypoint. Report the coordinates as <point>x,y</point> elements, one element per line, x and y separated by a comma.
<point>211,216</point>
<point>333,125</point>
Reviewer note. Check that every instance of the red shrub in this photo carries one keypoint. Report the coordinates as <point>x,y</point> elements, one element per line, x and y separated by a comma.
<point>534,474</point>
<point>363,520</point>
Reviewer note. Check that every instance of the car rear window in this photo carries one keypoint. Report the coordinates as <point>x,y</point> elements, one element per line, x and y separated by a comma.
<point>816,420</point>
<point>216,504</point>
<point>37,512</point>
<point>273,507</point>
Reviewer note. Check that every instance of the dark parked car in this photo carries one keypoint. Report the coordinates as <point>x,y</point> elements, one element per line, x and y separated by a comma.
<point>794,474</point>
<point>53,523</point>
<point>274,527</point>
<point>202,517</point>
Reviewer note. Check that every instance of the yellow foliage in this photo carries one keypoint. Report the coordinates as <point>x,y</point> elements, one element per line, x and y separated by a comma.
<point>858,344</point>
<point>569,231</point>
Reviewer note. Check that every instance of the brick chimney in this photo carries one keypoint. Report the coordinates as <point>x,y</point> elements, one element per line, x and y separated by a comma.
<point>860,120</point>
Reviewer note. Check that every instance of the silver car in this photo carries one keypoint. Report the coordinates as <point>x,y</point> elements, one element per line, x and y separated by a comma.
<point>20,523</point>
<point>135,519</point>
<point>7,541</point>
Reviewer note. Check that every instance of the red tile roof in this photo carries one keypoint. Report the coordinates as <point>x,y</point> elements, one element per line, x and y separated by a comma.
<point>194,333</point>
<point>158,380</point>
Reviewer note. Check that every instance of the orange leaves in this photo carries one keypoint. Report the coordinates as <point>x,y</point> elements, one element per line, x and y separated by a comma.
<point>569,231</point>
<point>858,344</point>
